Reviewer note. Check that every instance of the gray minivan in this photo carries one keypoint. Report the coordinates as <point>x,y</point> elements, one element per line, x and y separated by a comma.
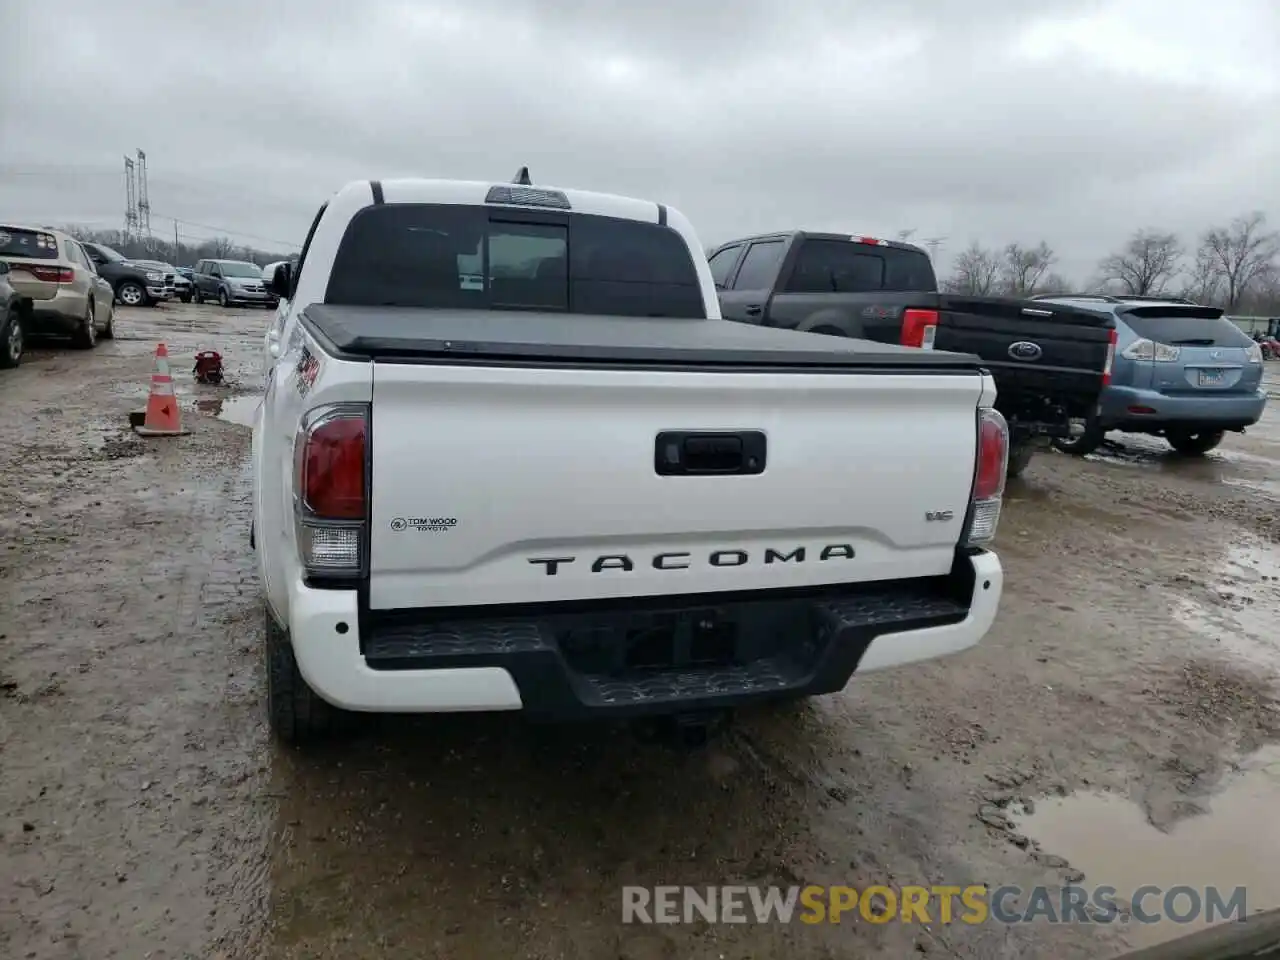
<point>1181,370</point>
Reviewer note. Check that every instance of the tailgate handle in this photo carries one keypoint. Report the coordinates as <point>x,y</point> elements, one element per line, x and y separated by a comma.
<point>685,453</point>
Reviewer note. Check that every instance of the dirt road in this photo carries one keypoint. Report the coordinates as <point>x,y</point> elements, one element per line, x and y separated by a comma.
<point>147,814</point>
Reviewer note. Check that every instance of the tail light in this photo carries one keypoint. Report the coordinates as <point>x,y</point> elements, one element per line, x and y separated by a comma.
<point>1145,350</point>
<point>331,489</point>
<point>988,478</point>
<point>919,328</point>
<point>51,274</point>
<point>1111,357</point>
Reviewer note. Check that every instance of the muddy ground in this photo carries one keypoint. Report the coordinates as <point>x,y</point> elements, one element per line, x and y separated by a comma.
<point>146,813</point>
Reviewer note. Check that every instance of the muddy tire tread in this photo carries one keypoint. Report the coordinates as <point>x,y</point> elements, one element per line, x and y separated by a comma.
<point>297,714</point>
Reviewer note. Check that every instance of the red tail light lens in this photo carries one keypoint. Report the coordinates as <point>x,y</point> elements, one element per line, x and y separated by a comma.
<point>51,274</point>
<point>919,328</point>
<point>1111,357</point>
<point>988,478</point>
<point>993,456</point>
<point>333,468</point>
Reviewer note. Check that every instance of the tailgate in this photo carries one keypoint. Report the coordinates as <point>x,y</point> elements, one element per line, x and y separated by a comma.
<point>1029,345</point>
<point>500,485</point>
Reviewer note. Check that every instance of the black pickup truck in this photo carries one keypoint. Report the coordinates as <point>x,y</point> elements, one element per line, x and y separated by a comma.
<point>1049,361</point>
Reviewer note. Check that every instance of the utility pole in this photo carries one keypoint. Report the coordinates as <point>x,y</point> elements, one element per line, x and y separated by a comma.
<point>130,201</point>
<point>905,235</point>
<point>177,246</point>
<point>933,243</point>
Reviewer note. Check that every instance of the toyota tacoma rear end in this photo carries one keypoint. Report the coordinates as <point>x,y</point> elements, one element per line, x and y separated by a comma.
<point>511,458</point>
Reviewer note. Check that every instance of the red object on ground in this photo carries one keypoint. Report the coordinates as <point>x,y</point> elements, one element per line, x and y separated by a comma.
<point>208,368</point>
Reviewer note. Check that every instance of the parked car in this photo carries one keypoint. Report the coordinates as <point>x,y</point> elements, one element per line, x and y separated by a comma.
<point>183,288</point>
<point>751,514</point>
<point>14,309</point>
<point>52,270</point>
<point>136,283</point>
<point>1049,362</point>
<point>232,282</point>
<point>1182,371</point>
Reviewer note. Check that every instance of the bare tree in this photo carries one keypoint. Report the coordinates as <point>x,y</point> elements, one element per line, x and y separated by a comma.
<point>1055,283</point>
<point>1147,263</point>
<point>1203,281</point>
<point>975,272</point>
<point>1240,254</point>
<point>1022,267</point>
<point>223,247</point>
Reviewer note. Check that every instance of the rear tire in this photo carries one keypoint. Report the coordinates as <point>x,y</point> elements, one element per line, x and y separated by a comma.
<point>297,714</point>
<point>1085,443</point>
<point>86,335</point>
<point>13,340</point>
<point>1191,442</point>
<point>1019,456</point>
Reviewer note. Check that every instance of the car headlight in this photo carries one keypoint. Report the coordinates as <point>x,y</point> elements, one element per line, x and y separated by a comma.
<point>155,277</point>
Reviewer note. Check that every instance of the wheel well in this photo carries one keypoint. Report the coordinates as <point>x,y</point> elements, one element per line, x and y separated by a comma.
<point>829,331</point>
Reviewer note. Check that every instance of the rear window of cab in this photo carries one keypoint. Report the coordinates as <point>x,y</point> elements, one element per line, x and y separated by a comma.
<point>489,258</point>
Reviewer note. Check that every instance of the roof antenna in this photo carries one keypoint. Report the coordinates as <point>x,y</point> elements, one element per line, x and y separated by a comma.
<point>522,177</point>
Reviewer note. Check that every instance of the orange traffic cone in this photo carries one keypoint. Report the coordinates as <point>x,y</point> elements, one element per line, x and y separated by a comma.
<point>162,418</point>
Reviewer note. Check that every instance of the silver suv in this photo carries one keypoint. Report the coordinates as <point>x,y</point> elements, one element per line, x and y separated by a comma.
<point>54,273</point>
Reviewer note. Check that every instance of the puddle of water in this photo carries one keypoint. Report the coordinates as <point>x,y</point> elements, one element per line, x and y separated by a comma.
<point>1234,844</point>
<point>1268,488</point>
<point>237,410</point>
<point>1243,620</point>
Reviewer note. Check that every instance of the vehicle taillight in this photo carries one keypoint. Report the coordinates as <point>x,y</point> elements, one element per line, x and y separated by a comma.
<point>919,328</point>
<point>988,478</point>
<point>1111,357</point>
<point>51,274</point>
<point>330,480</point>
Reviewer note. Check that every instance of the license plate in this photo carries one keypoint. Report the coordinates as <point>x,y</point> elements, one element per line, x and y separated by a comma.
<point>1210,378</point>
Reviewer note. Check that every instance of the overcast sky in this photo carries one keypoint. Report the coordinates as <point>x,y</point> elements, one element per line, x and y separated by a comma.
<point>1068,120</point>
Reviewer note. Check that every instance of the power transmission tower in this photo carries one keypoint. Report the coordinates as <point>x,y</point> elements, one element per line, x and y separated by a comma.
<point>933,243</point>
<point>144,205</point>
<point>905,235</point>
<point>130,201</point>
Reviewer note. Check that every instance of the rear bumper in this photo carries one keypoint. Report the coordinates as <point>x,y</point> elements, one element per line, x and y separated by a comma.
<point>61,313</point>
<point>1208,409</point>
<point>409,662</point>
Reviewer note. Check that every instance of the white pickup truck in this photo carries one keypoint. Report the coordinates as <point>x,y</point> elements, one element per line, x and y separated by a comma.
<point>511,458</point>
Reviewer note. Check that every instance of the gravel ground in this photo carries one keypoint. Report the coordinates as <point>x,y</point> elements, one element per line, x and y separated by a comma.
<point>148,814</point>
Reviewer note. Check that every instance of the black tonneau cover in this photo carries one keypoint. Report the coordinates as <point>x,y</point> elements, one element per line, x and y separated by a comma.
<point>507,336</point>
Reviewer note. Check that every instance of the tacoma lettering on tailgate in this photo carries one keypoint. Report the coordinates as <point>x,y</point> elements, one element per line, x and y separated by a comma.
<point>683,560</point>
